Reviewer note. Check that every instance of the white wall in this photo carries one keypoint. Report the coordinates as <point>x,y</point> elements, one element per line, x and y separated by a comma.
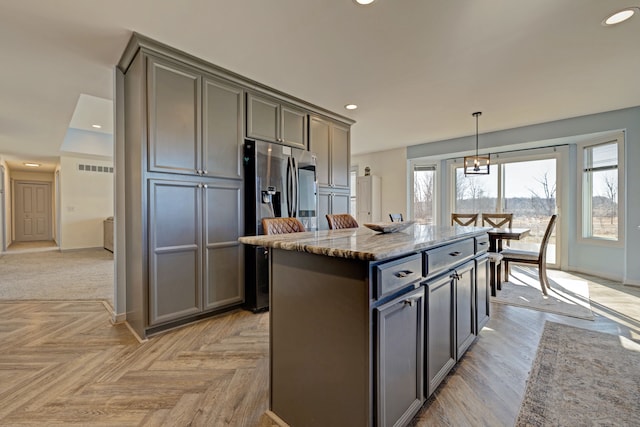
<point>391,167</point>
<point>5,237</point>
<point>86,199</point>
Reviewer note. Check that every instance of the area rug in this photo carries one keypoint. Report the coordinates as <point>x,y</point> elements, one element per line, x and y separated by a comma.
<point>569,295</point>
<point>74,275</point>
<point>582,378</point>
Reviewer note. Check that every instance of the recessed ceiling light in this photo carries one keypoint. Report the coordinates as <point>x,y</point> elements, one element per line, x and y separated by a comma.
<point>96,126</point>
<point>32,165</point>
<point>364,2</point>
<point>351,106</point>
<point>620,16</point>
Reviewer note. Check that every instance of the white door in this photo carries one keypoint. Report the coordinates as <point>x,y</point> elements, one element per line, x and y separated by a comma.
<point>32,211</point>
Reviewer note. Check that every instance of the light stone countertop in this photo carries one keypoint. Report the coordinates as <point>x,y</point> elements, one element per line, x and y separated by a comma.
<point>365,244</point>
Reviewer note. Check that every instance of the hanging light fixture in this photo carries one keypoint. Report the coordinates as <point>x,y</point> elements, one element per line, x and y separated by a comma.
<point>477,165</point>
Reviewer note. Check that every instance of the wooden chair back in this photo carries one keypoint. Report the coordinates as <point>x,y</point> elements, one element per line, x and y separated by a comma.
<point>464,219</point>
<point>545,239</point>
<point>282,225</point>
<point>497,220</point>
<point>396,217</point>
<point>338,221</point>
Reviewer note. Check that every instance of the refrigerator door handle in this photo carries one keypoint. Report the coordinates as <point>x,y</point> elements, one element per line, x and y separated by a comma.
<point>289,187</point>
<point>296,187</point>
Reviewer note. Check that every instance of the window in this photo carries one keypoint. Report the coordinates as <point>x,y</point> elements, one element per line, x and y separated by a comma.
<point>424,178</point>
<point>600,165</point>
<point>522,183</point>
<point>476,193</point>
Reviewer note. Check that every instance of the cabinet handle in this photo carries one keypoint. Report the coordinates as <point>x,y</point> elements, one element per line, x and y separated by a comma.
<point>482,243</point>
<point>199,186</point>
<point>205,172</point>
<point>456,253</point>
<point>403,273</point>
<point>205,185</point>
<point>455,275</point>
<point>411,301</point>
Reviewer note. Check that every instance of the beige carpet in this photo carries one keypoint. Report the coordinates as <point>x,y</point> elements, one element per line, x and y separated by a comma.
<point>74,275</point>
<point>582,378</point>
<point>569,295</point>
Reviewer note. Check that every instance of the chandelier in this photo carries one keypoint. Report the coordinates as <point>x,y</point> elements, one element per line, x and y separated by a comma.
<point>477,165</point>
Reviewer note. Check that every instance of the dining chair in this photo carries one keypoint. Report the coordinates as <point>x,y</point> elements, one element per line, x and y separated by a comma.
<point>464,219</point>
<point>497,220</point>
<point>396,217</point>
<point>532,257</point>
<point>282,225</point>
<point>338,221</point>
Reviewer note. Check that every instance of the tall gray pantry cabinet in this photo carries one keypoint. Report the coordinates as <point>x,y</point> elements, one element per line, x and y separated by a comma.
<point>184,122</point>
<point>330,141</point>
<point>183,201</point>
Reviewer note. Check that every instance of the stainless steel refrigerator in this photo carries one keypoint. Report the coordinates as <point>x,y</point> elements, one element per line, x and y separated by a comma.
<point>280,181</point>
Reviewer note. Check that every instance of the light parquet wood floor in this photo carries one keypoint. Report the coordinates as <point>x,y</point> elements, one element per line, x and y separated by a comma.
<point>63,363</point>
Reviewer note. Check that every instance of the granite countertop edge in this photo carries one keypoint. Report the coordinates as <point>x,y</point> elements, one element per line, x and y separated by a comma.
<point>365,244</point>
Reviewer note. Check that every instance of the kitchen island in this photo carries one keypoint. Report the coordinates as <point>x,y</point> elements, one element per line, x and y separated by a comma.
<point>364,326</point>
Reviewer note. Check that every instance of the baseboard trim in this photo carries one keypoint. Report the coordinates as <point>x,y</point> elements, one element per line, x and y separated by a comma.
<point>276,419</point>
<point>116,319</point>
<point>134,333</point>
<point>634,283</point>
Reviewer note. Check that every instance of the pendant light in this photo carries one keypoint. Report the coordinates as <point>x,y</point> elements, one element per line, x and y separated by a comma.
<point>477,165</point>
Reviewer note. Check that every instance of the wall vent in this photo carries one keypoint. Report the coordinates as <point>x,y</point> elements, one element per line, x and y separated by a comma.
<point>95,168</point>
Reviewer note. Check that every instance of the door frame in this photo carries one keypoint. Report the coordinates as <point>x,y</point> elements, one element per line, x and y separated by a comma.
<point>49,208</point>
<point>3,218</point>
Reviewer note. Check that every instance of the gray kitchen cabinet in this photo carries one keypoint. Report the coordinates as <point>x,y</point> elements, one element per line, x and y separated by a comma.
<point>195,122</point>
<point>222,129</point>
<point>271,120</point>
<point>223,254</point>
<point>483,291</point>
<point>195,256</point>
<point>465,288</point>
<point>175,250</point>
<point>400,355</point>
<point>330,141</point>
<point>331,202</point>
<point>174,102</point>
<point>440,330</point>
<point>180,122</point>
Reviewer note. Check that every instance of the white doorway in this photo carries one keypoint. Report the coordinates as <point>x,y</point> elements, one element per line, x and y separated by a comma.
<point>32,211</point>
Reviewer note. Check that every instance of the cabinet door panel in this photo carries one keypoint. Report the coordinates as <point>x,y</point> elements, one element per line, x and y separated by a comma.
<point>324,207</point>
<point>174,117</point>
<point>174,250</point>
<point>440,331</point>
<point>399,378</point>
<point>222,129</point>
<point>223,227</point>
<point>294,127</point>
<point>262,118</point>
<point>319,144</point>
<point>340,203</point>
<point>465,307</point>
<point>340,156</point>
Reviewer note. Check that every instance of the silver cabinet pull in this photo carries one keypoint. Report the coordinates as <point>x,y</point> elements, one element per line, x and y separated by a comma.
<point>456,253</point>
<point>403,273</point>
<point>205,185</point>
<point>411,301</point>
<point>205,172</point>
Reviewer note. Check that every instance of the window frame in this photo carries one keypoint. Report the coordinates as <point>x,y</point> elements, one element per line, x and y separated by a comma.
<point>619,138</point>
<point>424,163</point>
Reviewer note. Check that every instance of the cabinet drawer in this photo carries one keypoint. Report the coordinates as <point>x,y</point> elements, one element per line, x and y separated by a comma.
<point>442,258</point>
<point>391,276</point>
<point>482,244</point>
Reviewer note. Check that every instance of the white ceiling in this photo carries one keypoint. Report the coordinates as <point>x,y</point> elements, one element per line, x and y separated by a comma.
<point>416,68</point>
